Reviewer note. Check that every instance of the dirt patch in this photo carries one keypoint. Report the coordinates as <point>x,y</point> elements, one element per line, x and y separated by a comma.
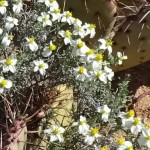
<point>139,87</point>
<point>142,104</point>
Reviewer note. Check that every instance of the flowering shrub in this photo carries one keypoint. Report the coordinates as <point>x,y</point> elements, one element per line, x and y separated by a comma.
<point>42,47</point>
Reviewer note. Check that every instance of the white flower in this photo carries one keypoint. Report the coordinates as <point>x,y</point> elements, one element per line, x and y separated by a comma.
<point>52,4</point>
<point>7,40</point>
<point>32,44</point>
<point>88,56</point>
<point>9,64</point>
<point>4,84</point>
<point>79,30</point>
<point>48,50</point>
<point>91,136</point>
<point>83,126</point>
<point>40,66</point>
<point>103,148</point>
<point>105,111</point>
<point>109,73</point>
<point>10,22</point>
<point>98,72</point>
<point>45,19</point>
<point>105,63</point>
<point>144,139</point>
<point>17,6</point>
<point>146,127</point>
<point>121,57</point>
<point>106,147</point>
<point>56,15</point>
<point>79,48</point>
<point>136,126</point>
<point>77,22</point>
<point>1,31</point>
<point>98,58</point>
<point>67,17</point>
<point>3,4</point>
<point>80,73</point>
<point>67,35</point>
<point>55,133</point>
<point>106,45</point>
<point>124,145</point>
<point>127,118</point>
<point>43,36</point>
<point>90,29</point>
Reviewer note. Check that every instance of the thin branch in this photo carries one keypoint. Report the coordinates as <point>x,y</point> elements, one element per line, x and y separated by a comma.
<point>28,102</point>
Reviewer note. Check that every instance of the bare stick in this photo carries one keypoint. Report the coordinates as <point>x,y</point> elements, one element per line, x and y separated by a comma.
<point>28,102</point>
<point>64,5</point>
<point>85,2</point>
<point>9,110</point>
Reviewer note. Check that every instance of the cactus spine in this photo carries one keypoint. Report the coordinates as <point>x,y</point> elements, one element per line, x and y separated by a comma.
<point>127,22</point>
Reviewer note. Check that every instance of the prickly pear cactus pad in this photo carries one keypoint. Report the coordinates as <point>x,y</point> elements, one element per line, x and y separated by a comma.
<point>133,38</point>
<point>127,22</point>
<point>56,83</point>
<point>17,137</point>
<point>99,12</point>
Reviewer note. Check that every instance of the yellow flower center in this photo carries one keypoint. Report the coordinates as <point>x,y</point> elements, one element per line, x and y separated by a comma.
<point>121,58</point>
<point>99,57</point>
<point>56,131</point>
<point>68,34</point>
<point>109,43</point>
<point>130,113</point>
<point>9,61</point>
<point>31,40</point>
<point>129,148</point>
<point>98,74</point>
<point>76,20</point>
<point>56,11</point>
<point>13,21</point>
<point>80,45</point>
<point>81,70</point>
<point>44,19</point>
<point>82,122</point>
<point>2,3</point>
<point>103,112</point>
<point>10,37</point>
<point>52,47</point>
<point>79,29</point>
<point>89,52</point>
<point>92,26</point>
<point>3,83</point>
<point>136,121</point>
<point>51,1</point>
<point>68,14</point>
<point>41,66</point>
<point>121,141</point>
<point>18,1</point>
<point>94,131</point>
<point>147,138</point>
<point>147,126</point>
<point>104,147</point>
